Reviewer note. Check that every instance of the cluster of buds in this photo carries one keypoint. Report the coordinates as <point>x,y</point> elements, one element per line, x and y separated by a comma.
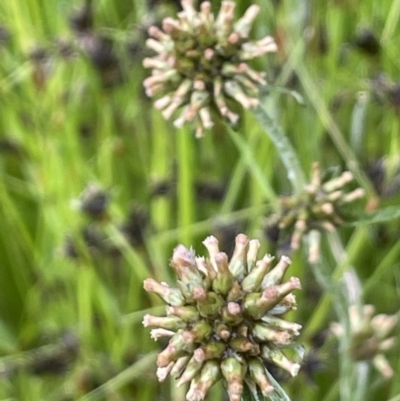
<point>202,64</point>
<point>369,336</point>
<point>93,201</point>
<point>320,207</point>
<point>224,319</point>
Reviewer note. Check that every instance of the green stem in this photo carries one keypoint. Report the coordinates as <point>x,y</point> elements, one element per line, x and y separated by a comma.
<point>362,380</point>
<point>160,165</point>
<point>391,22</point>
<point>131,373</point>
<point>333,393</point>
<point>186,196</point>
<point>236,182</point>
<point>352,375</point>
<point>248,157</point>
<point>237,177</point>
<point>343,264</point>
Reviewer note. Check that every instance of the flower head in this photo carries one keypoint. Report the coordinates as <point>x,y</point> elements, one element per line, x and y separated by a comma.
<point>224,320</point>
<point>93,201</point>
<point>202,63</point>
<point>320,207</point>
<point>369,336</point>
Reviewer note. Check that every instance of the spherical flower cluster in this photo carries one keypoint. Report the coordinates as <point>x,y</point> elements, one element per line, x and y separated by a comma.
<point>202,64</point>
<point>224,319</point>
<point>369,336</point>
<point>320,207</point>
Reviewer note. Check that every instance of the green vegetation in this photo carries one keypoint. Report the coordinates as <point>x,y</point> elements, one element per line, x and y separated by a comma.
<point>96,190</point>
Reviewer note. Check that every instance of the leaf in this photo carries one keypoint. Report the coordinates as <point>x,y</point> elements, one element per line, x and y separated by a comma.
<point>279,394</point>
<point>279,89</point>
<point>284,148</point>
<point>251,393</point>
<point>381,216</point>
<point>8,343</point>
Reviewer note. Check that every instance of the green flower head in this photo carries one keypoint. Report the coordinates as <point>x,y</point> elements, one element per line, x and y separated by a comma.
<point>320,207</point>
<point>201,64</point>
<point>369,336</point>
<point>224,319</point>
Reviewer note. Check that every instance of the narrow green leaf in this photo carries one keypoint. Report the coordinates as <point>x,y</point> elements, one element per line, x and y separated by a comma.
<point>123,378</point>
<point>250,393</point>
<point>284,147</point>
<point>381,216</point>
<point>279,394</point>
<point>248,156</point>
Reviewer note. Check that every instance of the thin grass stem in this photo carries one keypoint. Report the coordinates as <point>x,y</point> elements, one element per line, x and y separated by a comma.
<point>126,376</point>
<point>186,195</point>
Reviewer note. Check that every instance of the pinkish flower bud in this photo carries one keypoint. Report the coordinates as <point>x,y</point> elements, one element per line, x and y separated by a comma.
<point>192,369</point>
<point>243,344</point>
<point>170,295</point>
<point>253,280</point>
<point>211,243</point>
<point>210,374</point>
<point>223,331</point>
<point>275,276</point>
<point>179,366</point>
<point>233,372</point>
<point>282,324</point>
<point>353,196</point>
<point>169,323</point>
<point>254,246</point>
<point>234,90</point>
<point>186,313</point>
<point>213,350</point>
<point>243,25</point>
<point>223,282</point>
<point>276,356</point>
<point>264,332</point>
<point>232,313</point>
<point>238,261</point>
<point>184,263</point>
<point>162,373</point>
<point>257,372</point>
<point>176,348</point>
<point>156,334</point>
<point>201,330</point>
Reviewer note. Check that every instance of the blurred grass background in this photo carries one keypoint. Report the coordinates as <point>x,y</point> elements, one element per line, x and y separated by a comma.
<point>93,194</point>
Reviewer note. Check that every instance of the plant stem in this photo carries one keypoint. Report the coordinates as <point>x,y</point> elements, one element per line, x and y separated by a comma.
<point>160,164</point>
<point>121,379</point>
<point>247,156</point>
<point>186,198</point>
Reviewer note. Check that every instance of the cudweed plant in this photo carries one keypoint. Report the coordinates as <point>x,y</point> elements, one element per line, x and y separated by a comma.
<point>224,319</point>
<point>369,336</point>
<point>202,64</point>
<point>319,207</point>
